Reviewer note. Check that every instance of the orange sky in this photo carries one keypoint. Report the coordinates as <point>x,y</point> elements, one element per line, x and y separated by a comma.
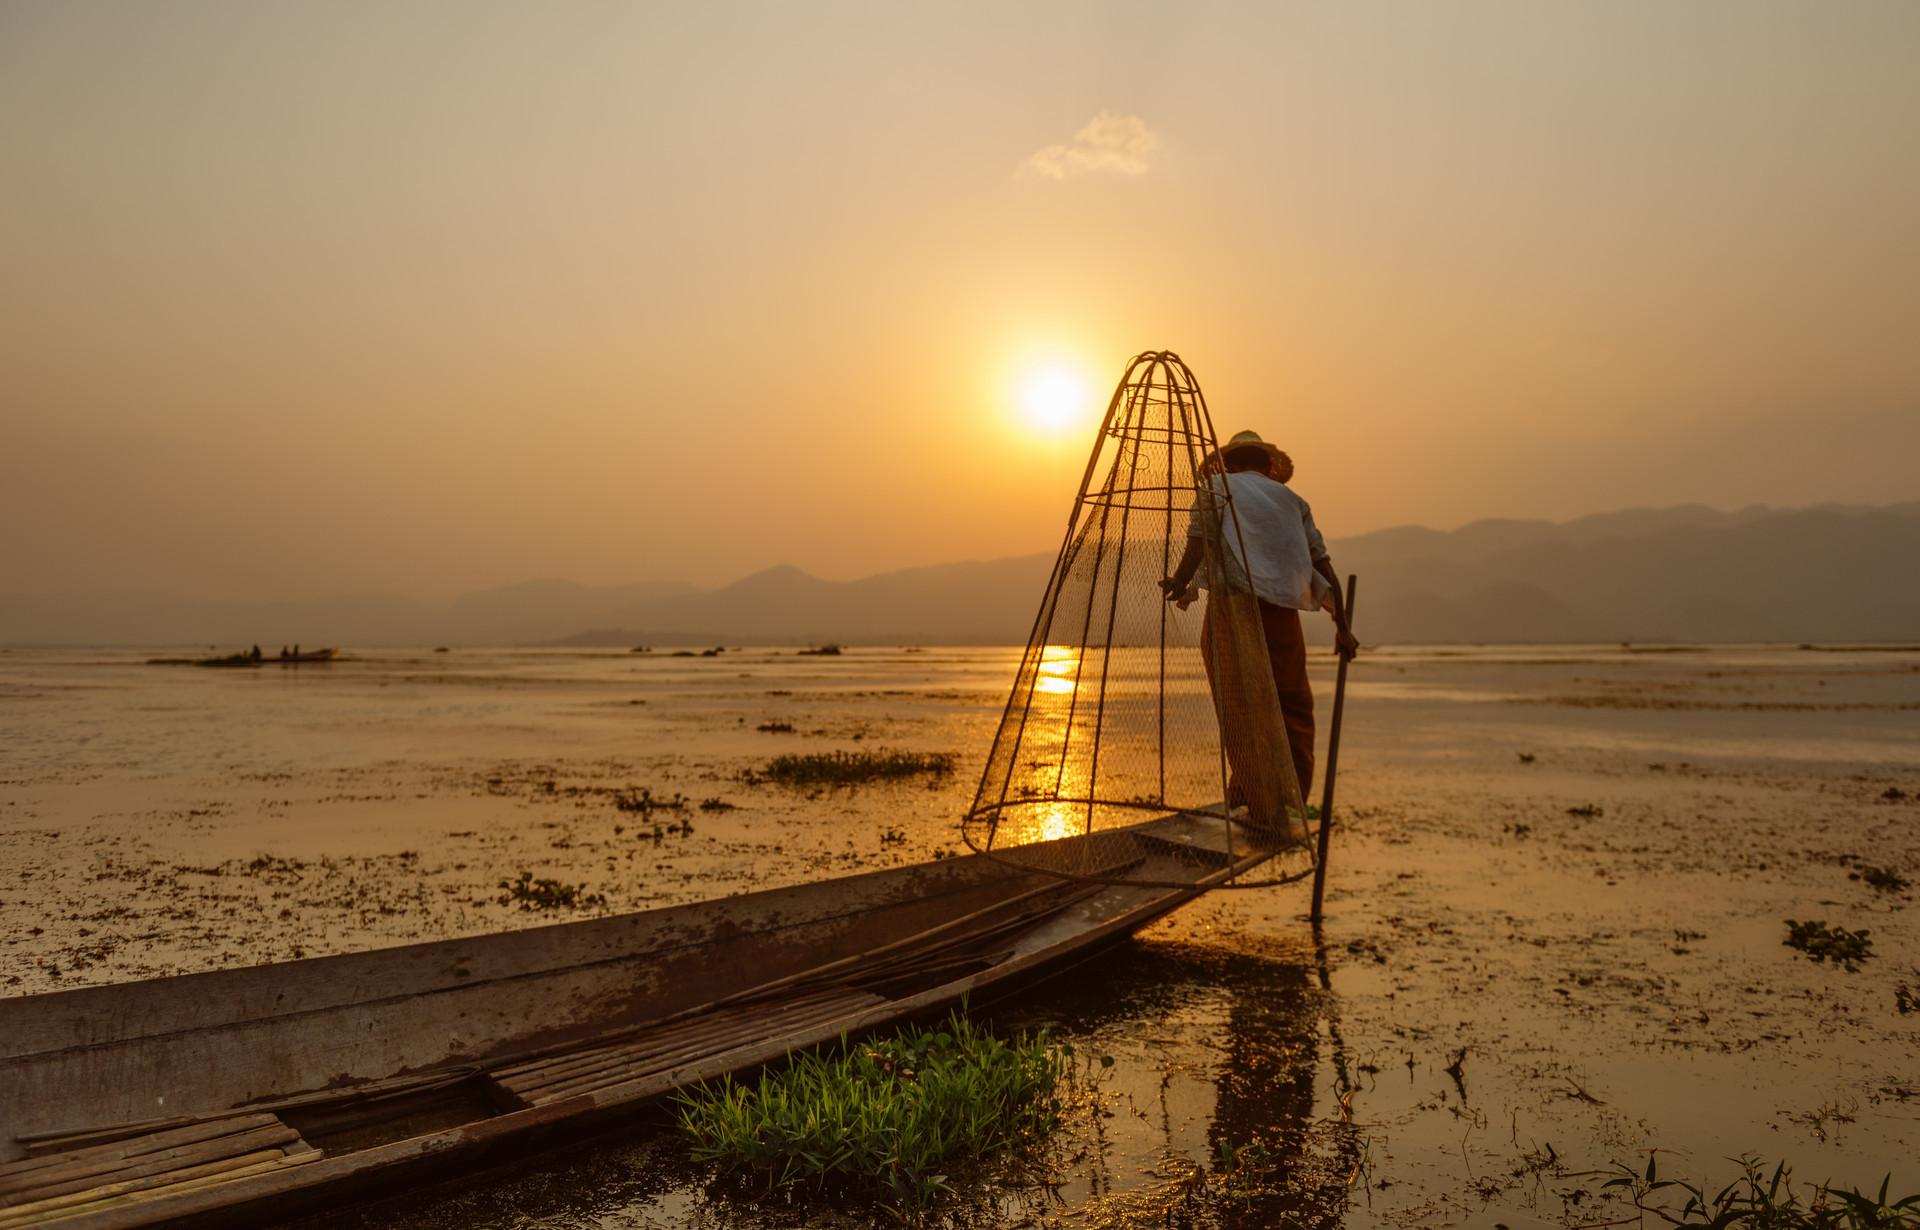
<point>340,298</point>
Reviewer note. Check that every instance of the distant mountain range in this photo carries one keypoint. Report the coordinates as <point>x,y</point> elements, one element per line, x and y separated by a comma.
<point>1688,573</point>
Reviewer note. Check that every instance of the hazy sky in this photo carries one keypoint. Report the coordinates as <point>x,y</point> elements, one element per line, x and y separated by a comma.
<point>303,299</point>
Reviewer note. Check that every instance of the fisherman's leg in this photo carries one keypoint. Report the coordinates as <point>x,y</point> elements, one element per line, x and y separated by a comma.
<point>1287,651</point>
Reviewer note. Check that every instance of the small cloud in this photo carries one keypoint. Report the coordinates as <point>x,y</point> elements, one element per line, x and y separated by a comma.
<point>1110,143</point>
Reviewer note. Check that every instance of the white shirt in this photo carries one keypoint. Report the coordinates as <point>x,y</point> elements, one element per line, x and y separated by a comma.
<point>1278,531</point>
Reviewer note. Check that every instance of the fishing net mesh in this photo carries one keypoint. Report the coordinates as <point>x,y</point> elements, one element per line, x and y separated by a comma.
<point>1143,742</point>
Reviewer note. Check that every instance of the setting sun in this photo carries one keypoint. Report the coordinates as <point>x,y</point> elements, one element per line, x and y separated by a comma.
<point>1054,398</point>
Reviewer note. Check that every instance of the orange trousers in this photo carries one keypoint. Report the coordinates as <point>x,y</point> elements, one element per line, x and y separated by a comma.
<point>1287,655</point>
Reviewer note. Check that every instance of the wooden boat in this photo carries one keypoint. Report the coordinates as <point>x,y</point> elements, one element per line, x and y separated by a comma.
<point>251,1095</point>
<point>228,662</point>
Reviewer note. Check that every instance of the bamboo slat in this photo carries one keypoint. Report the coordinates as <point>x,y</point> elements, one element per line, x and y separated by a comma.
<point>77,1176</point>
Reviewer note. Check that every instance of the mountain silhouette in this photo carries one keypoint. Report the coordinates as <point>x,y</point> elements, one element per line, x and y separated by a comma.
<point>1688,573</point>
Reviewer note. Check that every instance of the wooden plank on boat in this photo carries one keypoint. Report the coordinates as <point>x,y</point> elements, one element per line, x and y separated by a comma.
<point>57,1186</point>
<point>125,1147</point>
<point>539,1083</point>
<point>938,952</point>
<point>823,1016</point>
<point>75,1175</point>
<point>165,1187</point>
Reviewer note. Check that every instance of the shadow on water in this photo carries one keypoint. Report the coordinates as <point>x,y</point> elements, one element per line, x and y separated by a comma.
<point>1227,1086</point>
<point>1222,1108</point>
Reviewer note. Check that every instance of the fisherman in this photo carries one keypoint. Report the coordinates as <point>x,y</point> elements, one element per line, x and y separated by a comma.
<point>1291,572</point>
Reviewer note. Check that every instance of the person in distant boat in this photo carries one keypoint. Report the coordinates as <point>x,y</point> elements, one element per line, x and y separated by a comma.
<point>255,655</point>
<point>1291,572</point>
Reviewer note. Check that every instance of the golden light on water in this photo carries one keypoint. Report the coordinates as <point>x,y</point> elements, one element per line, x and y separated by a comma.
<point>1057,820</point>
<point>1058,665</point>
<point>1037,821</point>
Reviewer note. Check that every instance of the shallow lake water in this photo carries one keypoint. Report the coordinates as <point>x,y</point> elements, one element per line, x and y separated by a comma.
<point>1559,891</point>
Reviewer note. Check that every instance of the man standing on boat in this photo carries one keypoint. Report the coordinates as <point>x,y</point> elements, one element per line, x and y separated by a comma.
<point>1285,566</point>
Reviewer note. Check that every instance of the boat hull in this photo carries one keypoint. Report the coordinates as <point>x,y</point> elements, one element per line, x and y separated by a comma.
<point>398,1065</point>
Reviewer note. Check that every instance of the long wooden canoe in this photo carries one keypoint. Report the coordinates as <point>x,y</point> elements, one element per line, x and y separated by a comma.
<point>253,1095</point>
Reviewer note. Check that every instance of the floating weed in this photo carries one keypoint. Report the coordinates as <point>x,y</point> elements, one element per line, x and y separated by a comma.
<point>852,768</point>
<point>1844,948</point>
<point>1886,879</point>
<point>887,1120</point>
<point>645,802</point>
<point>1761,1201</point>
<point>531,894</point>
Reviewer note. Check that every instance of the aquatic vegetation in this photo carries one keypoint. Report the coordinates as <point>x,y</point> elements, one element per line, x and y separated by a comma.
<point>885,1119</point>
<point>1886,879</point>
<point>1822,943</point>
<point>775,728</point>
<point>822,651</point>
<point>531,894</point>
<point>645,802</point>
<point>1759,1201</point>
<point>852,768</point>
<point>1586,811</point>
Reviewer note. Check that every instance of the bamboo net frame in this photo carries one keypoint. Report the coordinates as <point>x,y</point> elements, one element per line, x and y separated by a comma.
<point>1128,708</point>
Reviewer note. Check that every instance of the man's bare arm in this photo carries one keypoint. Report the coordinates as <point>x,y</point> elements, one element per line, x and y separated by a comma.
<point>1182,578</point>
<point>1343,638</point>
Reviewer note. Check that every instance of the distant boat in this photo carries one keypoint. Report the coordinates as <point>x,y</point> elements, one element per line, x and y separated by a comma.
<point>312,655</point>
<point>230,660</point>
<point>251,1095</point>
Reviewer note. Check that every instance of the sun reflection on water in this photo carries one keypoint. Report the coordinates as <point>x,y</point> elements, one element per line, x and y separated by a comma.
<point>1044,821</point>
<point>1058,666</point>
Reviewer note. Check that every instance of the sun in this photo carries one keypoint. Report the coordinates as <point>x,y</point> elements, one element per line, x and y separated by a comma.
<point>1053,398</point>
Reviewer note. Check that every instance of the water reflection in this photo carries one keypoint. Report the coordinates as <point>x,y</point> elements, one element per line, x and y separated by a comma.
<point>1057,670</point>
<point>1222,1052</point>
<point>1046,821</point>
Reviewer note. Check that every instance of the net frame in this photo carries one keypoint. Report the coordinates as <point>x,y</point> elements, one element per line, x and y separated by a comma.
<point>1157,407</point>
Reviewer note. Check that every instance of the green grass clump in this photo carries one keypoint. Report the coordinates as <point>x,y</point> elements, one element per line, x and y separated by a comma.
<point>1759,1201</point>
<point>886,1120</point>
<point>853,768</point>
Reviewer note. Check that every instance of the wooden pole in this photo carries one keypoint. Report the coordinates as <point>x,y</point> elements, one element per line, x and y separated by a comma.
<point>1333,766</point>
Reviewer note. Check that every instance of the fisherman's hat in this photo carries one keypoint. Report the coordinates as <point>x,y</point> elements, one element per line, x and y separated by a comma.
<point>1279,465</point>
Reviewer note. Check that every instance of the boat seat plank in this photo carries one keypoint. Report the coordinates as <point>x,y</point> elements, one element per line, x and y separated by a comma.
<point>804,1001</point>
<point>83,1180</point>
<point>139,1143</point>
<point>565,1076</point>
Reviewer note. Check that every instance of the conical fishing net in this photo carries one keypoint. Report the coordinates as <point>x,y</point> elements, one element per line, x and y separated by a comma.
<point>1143,742</point>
